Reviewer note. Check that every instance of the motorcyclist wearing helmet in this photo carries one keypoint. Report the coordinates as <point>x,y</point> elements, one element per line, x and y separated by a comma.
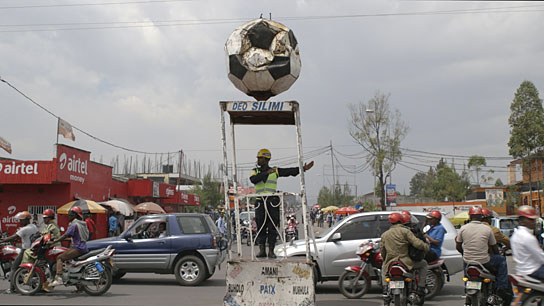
<point>528,256</point>
<point>24,233</point>
<point>435,235</point>
<point>499,236</point>
<point>470,241</point>
<point>48,216</point>
<point>394,246</point>
<point>418,256</point>
<point>77,230</point>
<point>293,224</point>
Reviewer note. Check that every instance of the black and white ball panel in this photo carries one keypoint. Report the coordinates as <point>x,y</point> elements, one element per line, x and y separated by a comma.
<point>262,58</point>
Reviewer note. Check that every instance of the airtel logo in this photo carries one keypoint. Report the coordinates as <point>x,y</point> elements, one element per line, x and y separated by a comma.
<point>72,164</point>
<point>63,161</point>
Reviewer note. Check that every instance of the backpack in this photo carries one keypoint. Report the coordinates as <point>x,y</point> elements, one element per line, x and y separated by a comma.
<point>416,254</point>
<point>83,230</point>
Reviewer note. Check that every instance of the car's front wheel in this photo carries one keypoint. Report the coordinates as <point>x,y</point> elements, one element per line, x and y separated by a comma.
<point>190,271</point>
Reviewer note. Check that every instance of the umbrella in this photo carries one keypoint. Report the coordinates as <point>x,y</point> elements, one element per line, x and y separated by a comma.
<point>85,205</point>
<point>124,208</point>
<point>317,206</point>
<point>329,209</point>
<point>346,211</point>
<point>150,208</point>
<point>460,218</point>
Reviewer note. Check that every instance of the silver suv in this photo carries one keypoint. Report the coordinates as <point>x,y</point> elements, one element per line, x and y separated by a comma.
<point>336,247</point>
<point>506,224</point>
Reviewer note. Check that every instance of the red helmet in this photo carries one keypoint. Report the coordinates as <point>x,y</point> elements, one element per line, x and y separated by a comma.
<point>405,212</point>
<point>23,215</point>
<point>48,213</point>
<point>406,219</point>
<point>475,210</point>
<point>76,210</point>
<point>487,213</point>
<point>395,218</point>
<point>527,212</point>
<point>435,214</point>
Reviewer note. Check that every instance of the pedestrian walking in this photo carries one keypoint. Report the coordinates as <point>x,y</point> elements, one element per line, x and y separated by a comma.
<point>91,225</point>
<point>329,219</point>
<point>112,225</point>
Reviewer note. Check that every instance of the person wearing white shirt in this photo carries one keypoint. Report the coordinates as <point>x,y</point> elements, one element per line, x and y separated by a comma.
<point>24,233</point>
<point>221,224</point>
<point>527,254</point>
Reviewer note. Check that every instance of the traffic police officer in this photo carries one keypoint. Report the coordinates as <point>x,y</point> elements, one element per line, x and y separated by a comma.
<point>267,215</point>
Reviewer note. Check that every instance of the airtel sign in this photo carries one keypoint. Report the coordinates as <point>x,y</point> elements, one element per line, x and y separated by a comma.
<point>72,163</point>
<point>19,168</point>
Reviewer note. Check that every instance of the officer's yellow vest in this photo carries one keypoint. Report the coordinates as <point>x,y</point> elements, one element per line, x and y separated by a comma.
<point>270,186</point>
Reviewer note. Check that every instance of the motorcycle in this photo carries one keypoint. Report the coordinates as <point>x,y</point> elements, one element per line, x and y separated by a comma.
<point>291,232</point>
<point>8,253</point>
<point>530,291</point>
<point>437,273</point>
<point>356,280</point>
<point>402,285</point>
<point>90,272</point>
<point>480,286</point>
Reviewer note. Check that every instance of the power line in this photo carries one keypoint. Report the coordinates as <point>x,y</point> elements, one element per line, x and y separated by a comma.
<point>458,156</point>
<point>421,171</point>
<point>87,4</point>
<point>236,20</point>
<point>82,131</point>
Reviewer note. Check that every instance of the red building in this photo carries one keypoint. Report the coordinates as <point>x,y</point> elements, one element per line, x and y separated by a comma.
<point>37,185</point>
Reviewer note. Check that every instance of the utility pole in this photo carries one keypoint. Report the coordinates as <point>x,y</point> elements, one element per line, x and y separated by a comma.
<point>333,175</point>
<point>179,173</point>
<point>332,164</point>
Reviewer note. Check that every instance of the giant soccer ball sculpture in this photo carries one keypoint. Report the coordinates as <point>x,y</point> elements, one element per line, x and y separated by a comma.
<point>262,58</point>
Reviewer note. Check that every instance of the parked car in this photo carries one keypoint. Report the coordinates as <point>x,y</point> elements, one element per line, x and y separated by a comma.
<point>337,246</point>
<point>506,224</point>
<point>187,245</point>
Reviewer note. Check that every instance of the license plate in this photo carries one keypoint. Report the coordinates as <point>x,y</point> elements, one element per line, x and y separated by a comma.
<point>474,285</point>
<point>396,284</point>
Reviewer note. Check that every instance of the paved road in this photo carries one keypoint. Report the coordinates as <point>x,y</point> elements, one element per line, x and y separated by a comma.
<point>155,290</point>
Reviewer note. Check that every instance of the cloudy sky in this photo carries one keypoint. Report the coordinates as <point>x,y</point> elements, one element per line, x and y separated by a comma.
<point>148,75</point>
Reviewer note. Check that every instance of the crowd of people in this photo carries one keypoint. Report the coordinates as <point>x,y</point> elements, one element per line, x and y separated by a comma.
<point>319,218</point>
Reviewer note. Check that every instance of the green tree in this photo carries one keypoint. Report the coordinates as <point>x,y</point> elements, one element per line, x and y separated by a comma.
<point>499,183</point>
<point>379,131</point>
<point>475,163</point>
<point>449,185</point>
<point>338,197</point>
<point>526,126</point>
<point>209,192</point>
<point>417,184</point>
<point>421,183</point>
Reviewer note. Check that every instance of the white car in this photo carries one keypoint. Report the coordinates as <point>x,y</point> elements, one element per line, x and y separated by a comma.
<point>337,246</point>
